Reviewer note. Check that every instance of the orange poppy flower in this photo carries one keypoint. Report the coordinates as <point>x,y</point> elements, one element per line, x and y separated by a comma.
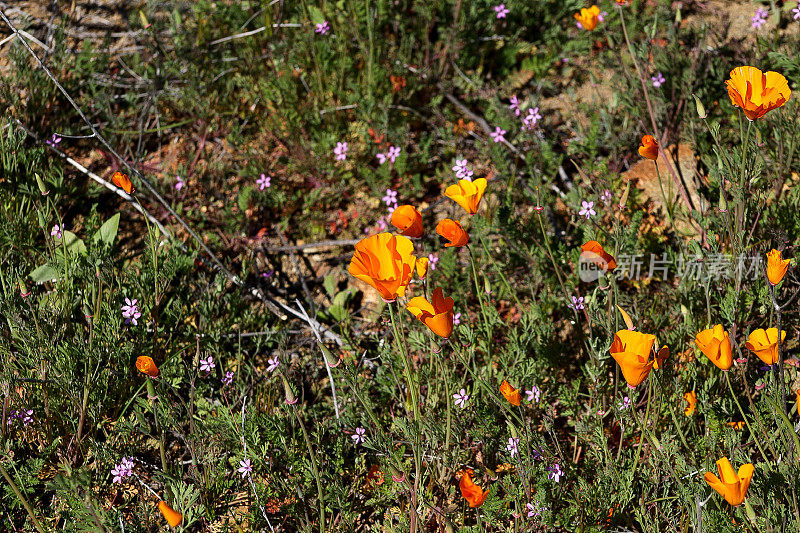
<point>422,267</point>
<point>631,350</point>
<point>738,426</point>
<point>467,194</point>
<point>123,182</point>
<point>661,356</point>
<point>453,232</point>
<point>622,2</point>
<point>691,398</point>
<point>730,484</point>
<point>385,262</point>
<point>798,401</point>
<point>510,393</point>
<point>756,92</point>
<point>436,314</point>
<point>776,266</point>
<point>172,516</point>
<point>588,17</point>
<point>593,252</point>
<point>398,82</point>
<point>649,148</point>
<point>716,345</point>
<point>764,343</point>
<point>408,220</point>
<point>474,495</point>
<point>146,365</point>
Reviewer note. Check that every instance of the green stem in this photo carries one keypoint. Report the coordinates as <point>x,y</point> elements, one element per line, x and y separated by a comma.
<point>314,471</point>
<point>741,411</point>
<point>22,499</point>
<point>486,326</point>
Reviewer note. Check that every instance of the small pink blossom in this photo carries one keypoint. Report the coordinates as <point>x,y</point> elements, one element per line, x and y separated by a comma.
<point>606,197</point>
<point>179,183</point>
<point>759,18</point>
<point>322,28</point>
<point>245,468</point>
<point>461,398</point>
<point>577,303</point>
<point>56,231</point>
<point>358,437</point>
<point>432,260</point>
<point>228,379</point>
<point>512,446</point>
<point>796,12</point>
<point>530,120</point>
<point>340,151</point>
<point>264,182</point>
<point>122,470</point>
<point>658,80</point>
<point>587,210</point>
<point>207,365</point>
<point>501,11</point>
<point>457,319</point>
<point>393,153</point>
<point>514,105</point>
<point>272,364</point>
<point>534,394</point>
<point>497,134</point>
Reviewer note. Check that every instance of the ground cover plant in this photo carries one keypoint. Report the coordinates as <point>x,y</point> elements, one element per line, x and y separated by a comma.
<point>399,266</point>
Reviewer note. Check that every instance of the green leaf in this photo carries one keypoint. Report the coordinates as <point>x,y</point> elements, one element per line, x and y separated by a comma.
<point>244,198</point>
<point>108,231</point>
<point>330,284</point>
<point>43,274</point>
<point>73,244</point>
<point>316,15</point>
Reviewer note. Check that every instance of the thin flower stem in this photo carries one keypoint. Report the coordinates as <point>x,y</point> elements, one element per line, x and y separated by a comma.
<point>22,499</point>
<point>314,470</point>
<point>486,326</point>
<point>667,201</point>
<point>646,418</point>
<point>741,411</point>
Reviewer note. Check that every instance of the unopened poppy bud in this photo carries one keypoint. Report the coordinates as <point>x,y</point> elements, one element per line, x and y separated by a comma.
<point>624,198</point>
<point>291,399</point>
<point>40,216</point>
<point>40,184</point>
<point>512,429</point>
<point>701,110</point>
<point>330,359</point>
<point>723,204</point>
<point>151,390</point>
<point>23,289</point>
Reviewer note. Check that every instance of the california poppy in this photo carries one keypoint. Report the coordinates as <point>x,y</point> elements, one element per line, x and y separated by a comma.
<point>398,82</point>
<point>798,401</point>
<point>385,262</point>
<point>716,345</point>
<point>756,92</point>
<point>146,365</point>
<point>453,232</point>
<point>422,267</point>
<point>738,426</point>
<point>764,343</point>
<point>172,516</point>
<point>776,266</point>
<point>123,182</point>
<point>588,17</point>
<point>730,484</point>
<point>436,314</point>
<point>593,251</point>
<point>408,220</point>
<point>474,495</point>
<point>510,393</point>
<point>661,356</point>
<point>649,148</point>
<point>631,350</point>
<point>467,194</point>
<point>691,399</point>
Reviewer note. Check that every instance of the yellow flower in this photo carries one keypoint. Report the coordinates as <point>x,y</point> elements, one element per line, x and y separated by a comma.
<point>730,484</point>
<point>691,398</point>
<point>649,148</point>
<point>436,314</point>
<point>146,365</point>
<point>385,262</point>
<point>588,17</point>
<point>716,345</point>
<point>172,516</point>
<point>764,343</point>
<point>631,350</point>
<point>510,393</point>
<point>776,266</point>
<point>467,194</point>
<point>422,267</point>
<point>408,220</point>
<point>757,92</point>
<point>453,232</point>
<point>471,492</point>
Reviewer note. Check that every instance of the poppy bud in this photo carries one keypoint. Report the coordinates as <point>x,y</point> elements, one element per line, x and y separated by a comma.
<point>23,289</point>
<point>624,198</point>
<point>331,360</point>
<point>701,110</point>
<point>40,184</point>
<point>291,399</point>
